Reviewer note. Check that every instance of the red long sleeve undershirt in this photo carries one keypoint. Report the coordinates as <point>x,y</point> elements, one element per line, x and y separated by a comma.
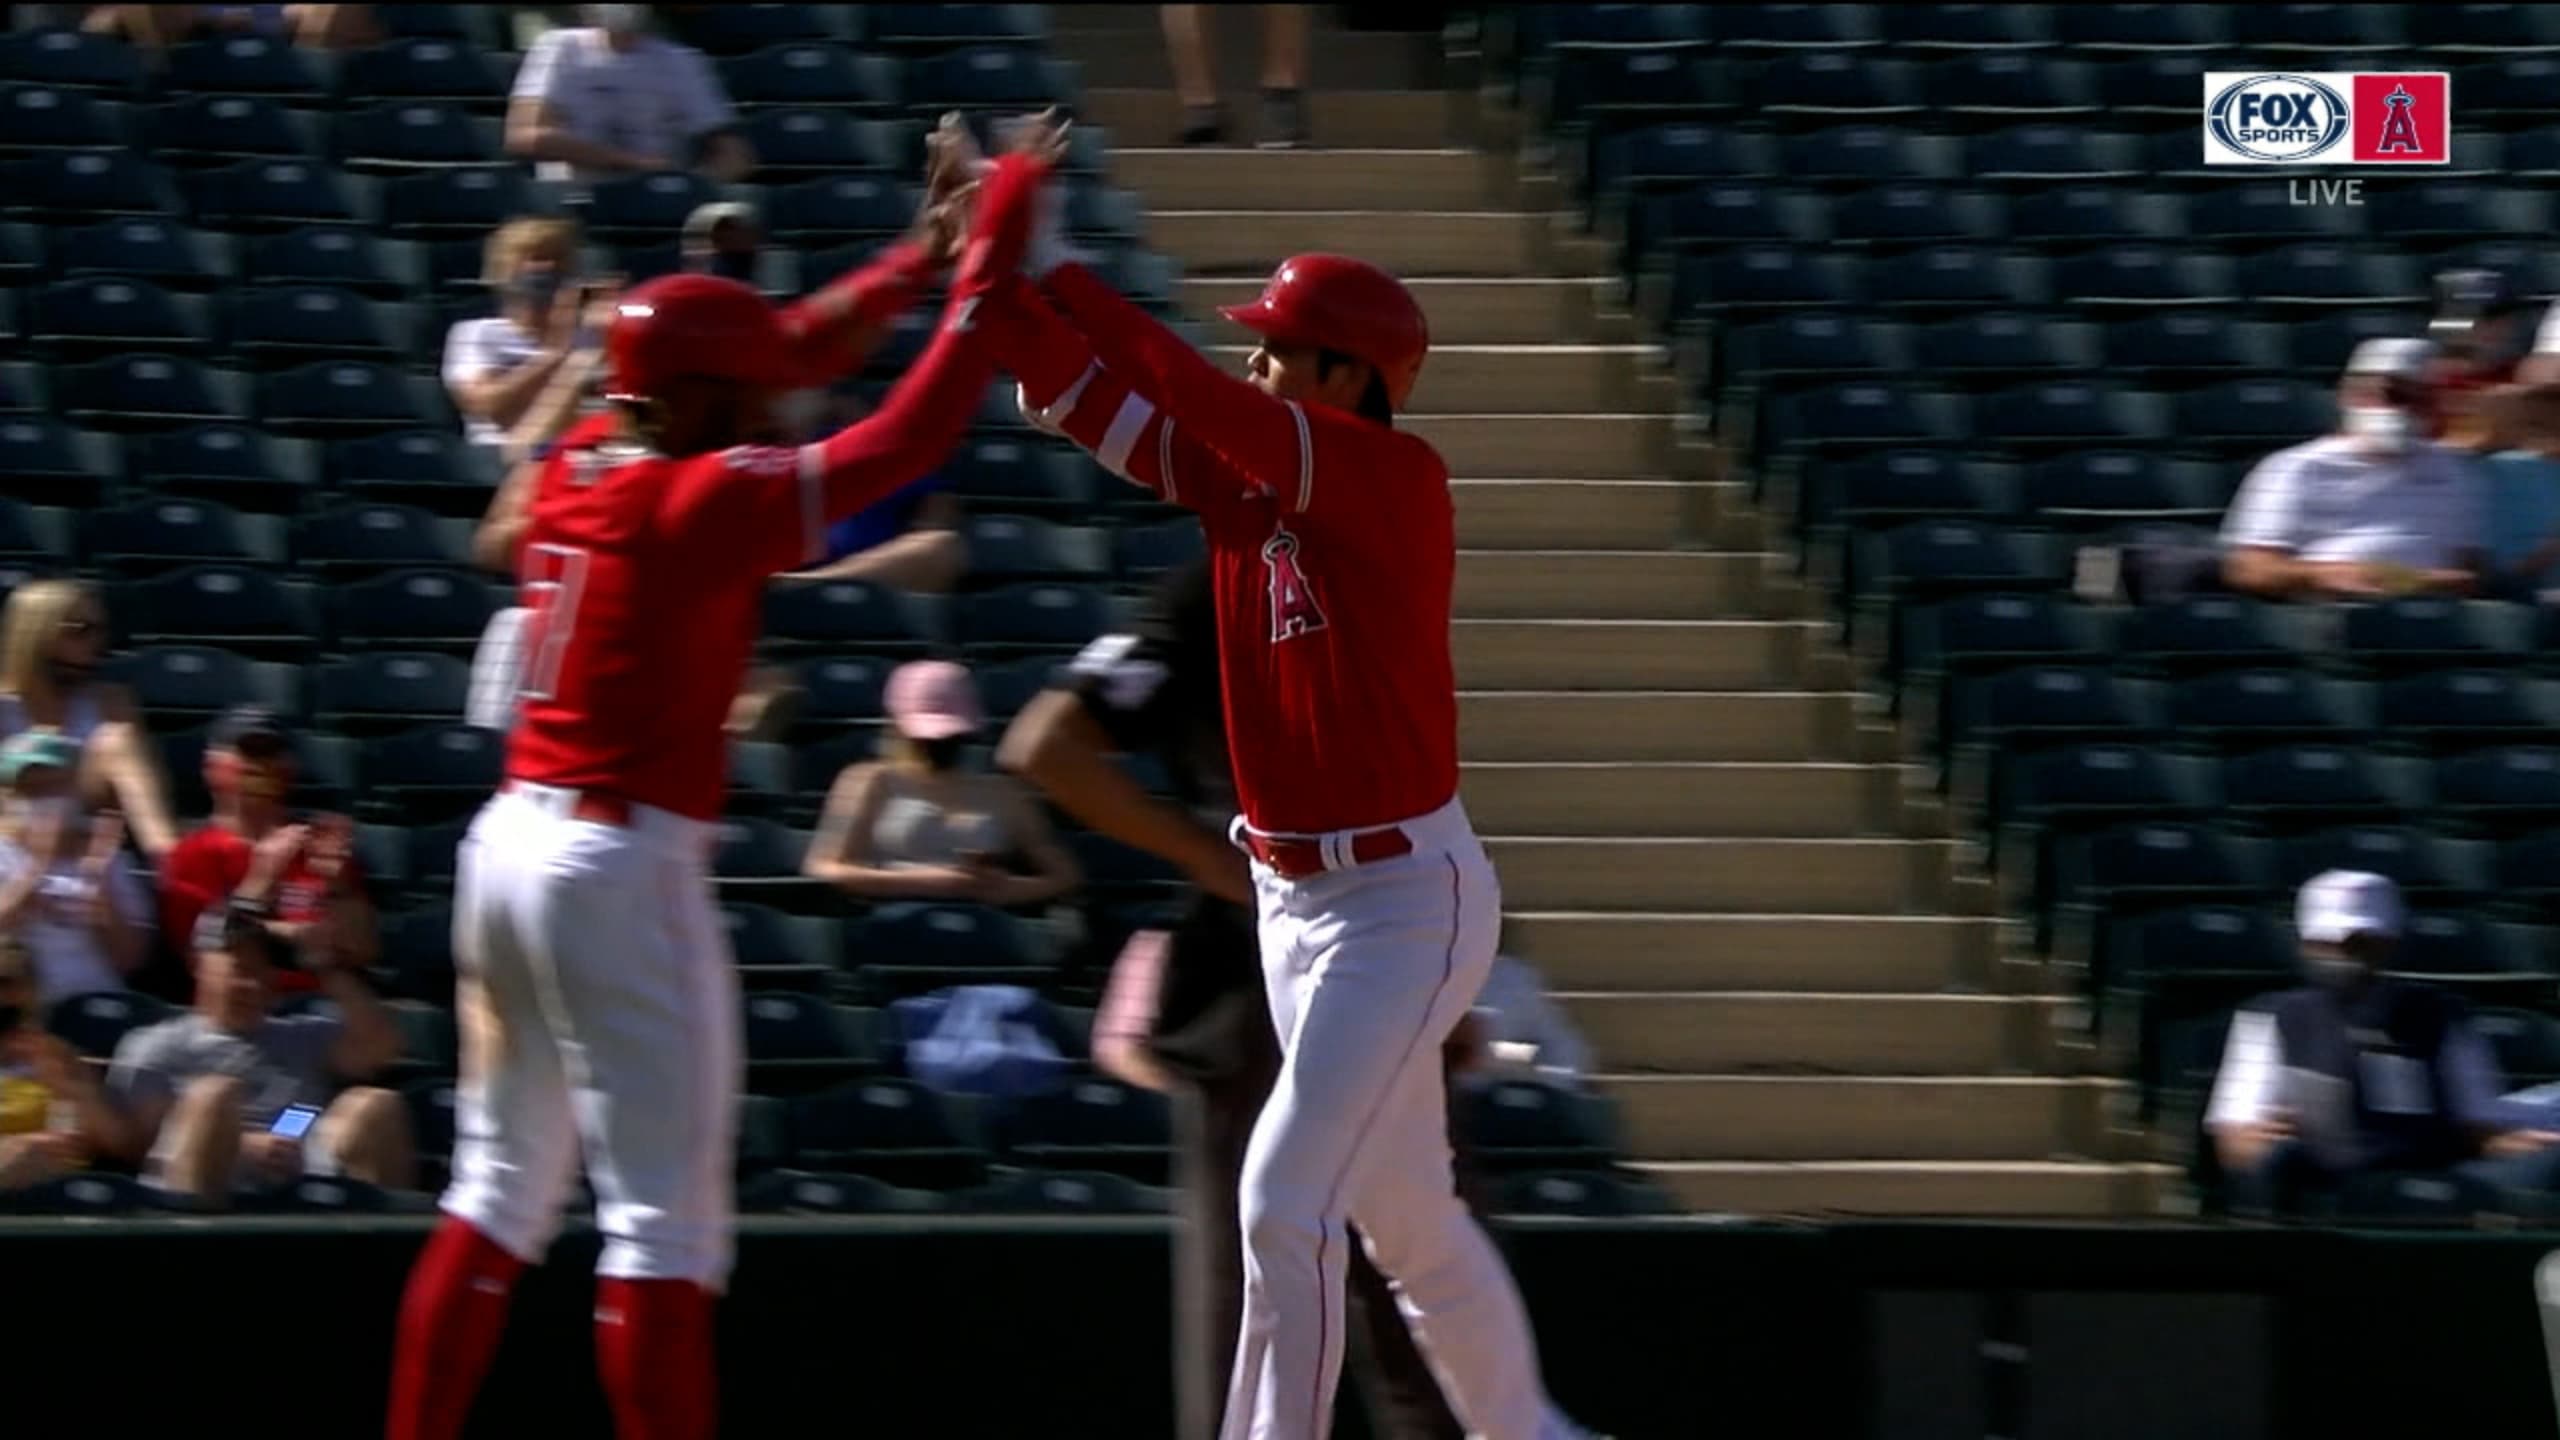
<point>835,329</point>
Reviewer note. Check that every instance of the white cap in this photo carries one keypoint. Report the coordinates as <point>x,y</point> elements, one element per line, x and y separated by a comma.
<point>2399,358</point>
<point>2335,904</point>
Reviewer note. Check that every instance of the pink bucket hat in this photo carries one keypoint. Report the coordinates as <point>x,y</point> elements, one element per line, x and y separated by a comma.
<point>933,700</point>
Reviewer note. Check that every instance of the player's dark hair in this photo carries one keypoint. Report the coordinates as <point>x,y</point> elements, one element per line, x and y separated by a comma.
<point>1374,405</point>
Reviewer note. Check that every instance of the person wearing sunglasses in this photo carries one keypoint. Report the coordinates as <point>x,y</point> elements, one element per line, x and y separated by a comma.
<point>53,640</point>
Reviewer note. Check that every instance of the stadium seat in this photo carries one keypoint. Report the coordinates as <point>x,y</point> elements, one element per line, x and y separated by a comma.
<point>1008,548</point>
<point>332,255</point>
<point>355,540</point>
<point>762,937</point>
<point>1910,214</point>
<point>2142,28</point>
<point>161,534</point>
<point>1958,277</point>
<point>1144,551</point>
<point>1589,1194</point>
<point>2076,214</point>
<point>333,398</point>
<point>2494,29</point>
<point>2178,347</point>
<point>837,208</point>
<point>2456,210</point>
<point>1052,1192</point>
<point>86,1194</point>
<point>422,609</point>
<point>2265,211</point>
<point>1869,154</point>
<point>273,327</point>
<point>2408,632</point>
<point>2323,342</point>
<point>22,388</point>
<point>2327,29</point>
<point>422,68</point>
<point>2260,705</point>
<point>223,605</point>
<point>842,615</point>
<point>1017,618</point>
<point>405,135</point>
<point>37,117</point>
<point>1828,86</point>
<point>1931,559</point>
<point>1512,1125</point>
<point>1891,487</point>
<point>2037,705</point>
<point>2488,960</point>
<point>2143,865</point>
<point>2454,708</point>
<point>72,186</point>
<point>758,850</point>
<point>1861,414</point>
<point>802,144</point>
<point>242,64</point>
<point>2139,274</point>
<point>1660,155</point>
<point>71,59</point>
<point>986,75</point>
<point>1002,473</point>
<point>2045,153</point>
<point>1092,1123</point>
<point>2503,787</point>
<point>1617,88</point>
<point>1786,27</point>
<point>2429,868</point>
<point>815,1192</point>
<point>2087,784</point>
<point>1993,344</point>
<point>224,129</point>
<point>812,74</point>
<point>436,773</point>
<point>433,469</point>
<point>741,29</point>
<point>2072,412</point>
<point>272,195</point>
<point>78,319</point>
<point>2322,783</point>
<point>941,27</point>
<point>646,207</point>
<point>457,202</point>
<point>842,690</point>
<point>2212,632</point>
<point>228,462</point>
<point>49,463</point>
<point>2256,414</point>
<point>388,690</point>
<point>94,1024</point>
<point>2086,487</point>
<point>190,684</point>
<point>895,1130</point>
<point>2324,273</point>
<point>1116,871</point>
<point>147,392</point>
<point>2003,87</point>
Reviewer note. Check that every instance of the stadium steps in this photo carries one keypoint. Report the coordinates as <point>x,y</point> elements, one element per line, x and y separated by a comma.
<point>1794,983</point>
<point>1133,55</point>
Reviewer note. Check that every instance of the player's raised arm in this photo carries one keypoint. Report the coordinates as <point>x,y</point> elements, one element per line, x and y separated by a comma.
<point>833,331</point>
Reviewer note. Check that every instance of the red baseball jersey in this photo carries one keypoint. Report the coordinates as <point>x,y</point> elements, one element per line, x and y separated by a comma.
<point>646,576</point>
<point>1332,541</point>
<point>203,870</point>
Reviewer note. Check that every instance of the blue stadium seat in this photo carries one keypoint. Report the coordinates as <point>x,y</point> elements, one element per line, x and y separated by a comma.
<point>837,208</point>
<point>2204,632</point>
<point>1512,1125</point>
<point>435,772</point>
<point>1618,88</point>
<point>242,64</point>
<point>94,1024</point>
<point>1930,559</point>
<point>277,326</point>
<point>841,615</point>
<point>1992,344</point>
<point>895,1130</point>
<point>221,129</point>
<point>1747,278</point>
<point>1544,27</point>
<point>2484,959</point>
<point>2139,274</point>
<point>422,68</point>
<point>2044,153</point>
<point>1593,1194</point>
<point>404,135</point>
<point>153,535</point>
<point>73,60</point>
<point>361,539</point>
<point>2529,869</point>
<point>2143,27</point>
<point>2090,783</point>
<point>219,605</point>
<point>1785,27</point>
<point>1018,475</point>
<point>2172,347</point>
<point>1950,277</point>
<point>2470,707</point>
<point>190,684</point>
<point>2322,343</point>
<point>2256,414</point>
<point>428,22</point>
<point>2323,783</point>
<point>916,946</point>
<point>75,319</point>
<point>2425,209</point>
<point>742,29</point>
<point>230,462</point>
<point>1146,550</point>
<point>2005,87</point>
<point>22,388</point>
<point>1663,154</point>
<point>1887,487</point>
<point>645,207</point>
<point>340,256</point>
<point>761,937</point>
<point>2074,412</point>
<point>271,195</point>
<point>802,144</point>
<point>77,185</point>
<point>1819,343</point>
<point>1904,214</point>
<point>1005,548</point>
<point>1824,86</point>
<point>2076,214</point>
<point>1974,633</point>
<point>1019,618</point>
<point>2232,940</point>
<point>941,27</point>
<point>45,461</point>
<point>842,690</point>
<point>2086,487</point>
<point>456,202</point>
<point>2322,273</point>
<point>2263,704</point>
<point>22,258</point>
<point>2432,630</point>
<point>341,397</point>
<point>420,609</point>
<point>28,532</point>
<point>150,391</point>
<point>2265,210</point>
<point>812,74</point>
<point>2322,28</point>
<point>157,251</point>
<point>2144,864</point>
<point>2429,868</point>
<point>2038,705</point>
<point>822,1192</point>
<point>37,117</point>
<point>1967,27</point>
<point>2154,83</point>
<point>388,690</point>
<point>435,469</point>
<point>1720,212</point>
<point>2494,29</point>
<point>1862,413</point>
<point>1092,1123</point>
<point>1870,154</point>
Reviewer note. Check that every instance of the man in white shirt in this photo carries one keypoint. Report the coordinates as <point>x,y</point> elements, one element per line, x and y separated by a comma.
<point>2376,509</point>
<point>612,99</point>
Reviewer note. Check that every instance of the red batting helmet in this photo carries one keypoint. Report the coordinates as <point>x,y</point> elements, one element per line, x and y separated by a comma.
<point>680,325</point>
<point>1334,302</point>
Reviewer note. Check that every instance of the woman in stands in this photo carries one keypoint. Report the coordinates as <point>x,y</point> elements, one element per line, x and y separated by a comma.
<point>498,366</point>
<point>53,634</point>
<point>922,825</point>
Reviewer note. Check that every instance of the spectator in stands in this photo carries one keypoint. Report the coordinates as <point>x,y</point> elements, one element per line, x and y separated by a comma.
<point>56,633</point>
<point>724,238</point>
<point>609,98</point>
<point>157,27</point>
<point>2356,1072</point>
<point>203,1092</point>
<point>53,1113</point>
<point>66,889</point>
<point>298,878</point>
<point>2376,509</point>
<point>498,367</point>
<point>910,540</point>
<point>1284,73</point>
<point>920,825</point>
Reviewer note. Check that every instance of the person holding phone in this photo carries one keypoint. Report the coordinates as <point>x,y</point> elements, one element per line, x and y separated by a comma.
<point>298,878</point>
<point>232,1096</point>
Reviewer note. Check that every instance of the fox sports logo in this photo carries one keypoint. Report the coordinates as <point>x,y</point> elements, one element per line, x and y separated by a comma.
<point>2278,118</point>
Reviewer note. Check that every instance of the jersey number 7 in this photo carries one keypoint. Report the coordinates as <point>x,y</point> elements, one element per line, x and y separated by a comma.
<point>555,579</point>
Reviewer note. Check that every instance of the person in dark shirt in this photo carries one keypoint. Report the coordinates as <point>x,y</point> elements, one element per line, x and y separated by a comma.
<point>1187,1013</point>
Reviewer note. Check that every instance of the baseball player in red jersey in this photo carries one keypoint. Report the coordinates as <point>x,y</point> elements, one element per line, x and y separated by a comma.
<point>609,1026</point>
<point>1332,540</point>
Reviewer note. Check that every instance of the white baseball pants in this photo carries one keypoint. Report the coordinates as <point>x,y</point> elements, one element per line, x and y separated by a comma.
<point>1368,970</point>
<point>611,1029</point>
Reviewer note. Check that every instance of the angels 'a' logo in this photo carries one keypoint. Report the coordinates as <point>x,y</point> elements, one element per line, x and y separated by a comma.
<point>2399,125</point>
<point>1294,611</point>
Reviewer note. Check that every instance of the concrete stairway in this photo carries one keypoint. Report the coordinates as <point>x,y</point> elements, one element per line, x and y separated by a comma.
<point>1795,987</point>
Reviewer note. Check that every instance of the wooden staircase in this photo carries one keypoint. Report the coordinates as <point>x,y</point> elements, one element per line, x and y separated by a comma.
<point>1793,980</point>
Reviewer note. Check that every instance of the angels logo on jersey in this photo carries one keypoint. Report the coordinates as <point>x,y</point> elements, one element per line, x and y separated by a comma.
<point>1294,611</point>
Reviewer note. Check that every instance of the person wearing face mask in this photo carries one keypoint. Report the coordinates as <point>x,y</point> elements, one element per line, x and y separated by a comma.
<point>611,98</point>
<point>299,878</point>
<point>921,825</point>
<point>2357,1071</point>
<point>66,890</point>
<point>2376,509</point>
<point>497,367</point>
<point>55,638</point>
